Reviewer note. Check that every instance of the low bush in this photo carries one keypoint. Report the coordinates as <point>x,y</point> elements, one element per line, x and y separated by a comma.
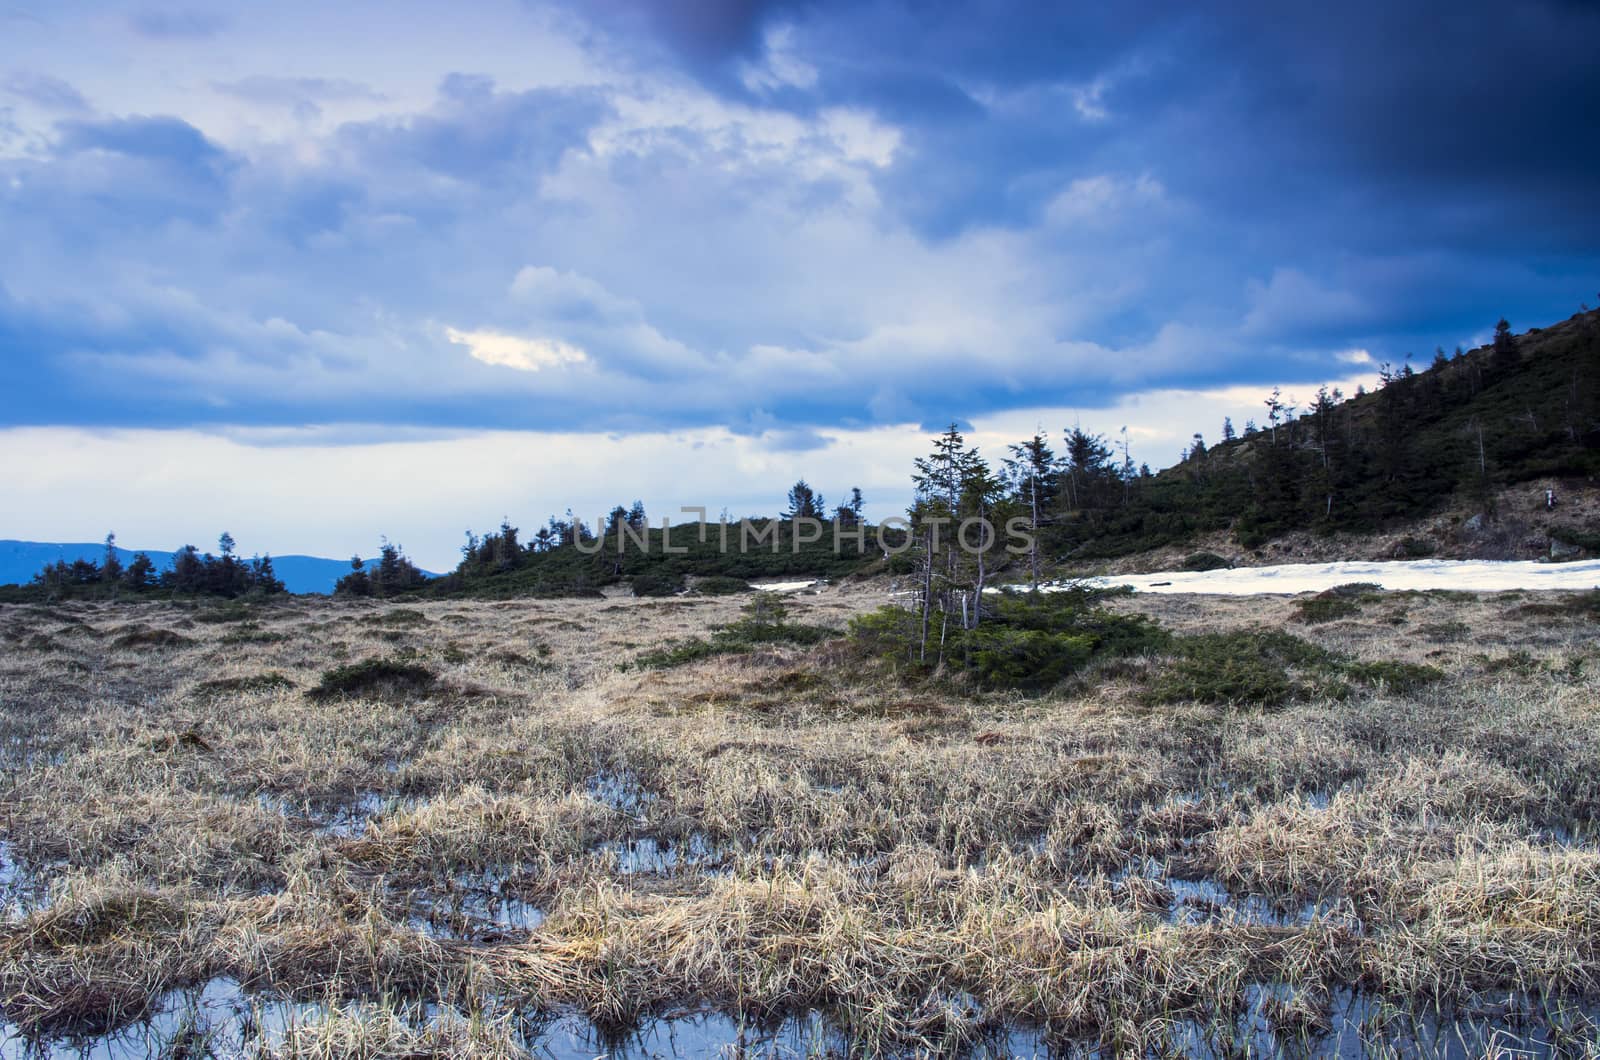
<point>1201,561</point>
<point>1416,547</point>
<point>656,584</point>
<point>1027,641</point>
<point>1394,676</point>
<point>373,677</point>
<point>1241,668</point>
<point>765,621</point>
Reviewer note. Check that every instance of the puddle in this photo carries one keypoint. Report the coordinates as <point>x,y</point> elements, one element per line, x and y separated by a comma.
<point>220,1019</point>
<point>1204,901</point>
<point>342,819</point>
<point>1359,1025</point>
<point>21,892</point>
<point>712,1034</point>
<point>649,856</point>
<point>216,1020</point>
<point>622,790</point>
<point>481,908</point>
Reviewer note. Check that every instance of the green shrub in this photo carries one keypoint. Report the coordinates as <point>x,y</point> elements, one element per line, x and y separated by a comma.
<point>1200,561</point>
<point>252,633</point>
<point>373,677</point>
<point>1028,641</point>
<point>1229,680</point>
<point>1589,542</point>
<point>1580,605</point>
<point>1246,667</point>
<point>680,653</point>
<point>656,584</point>
<point>1416,547</point>
<point>1002,656</point>
<point>1394,676</point>
<point>1446,632</point>
<point>764,621</point>
<point>1322,608</point>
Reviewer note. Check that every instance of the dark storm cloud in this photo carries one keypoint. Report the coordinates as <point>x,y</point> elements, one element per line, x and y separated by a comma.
<point>1479,120</point>
<point>787,216</point>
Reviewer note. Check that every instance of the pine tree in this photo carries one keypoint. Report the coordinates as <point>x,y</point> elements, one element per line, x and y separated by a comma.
<point>111,566</point>
<point>804,502</point>
<point>1034,472</point>
<point>1503,355</point>
<point>140,574</point>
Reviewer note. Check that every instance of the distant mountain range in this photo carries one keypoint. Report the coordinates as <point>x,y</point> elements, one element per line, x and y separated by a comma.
<point>21,560</point>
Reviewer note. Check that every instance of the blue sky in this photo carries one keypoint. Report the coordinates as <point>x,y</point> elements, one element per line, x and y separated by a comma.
<point>309,235</point>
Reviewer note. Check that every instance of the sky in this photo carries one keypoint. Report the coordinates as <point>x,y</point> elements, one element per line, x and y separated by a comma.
<point>314,273</point>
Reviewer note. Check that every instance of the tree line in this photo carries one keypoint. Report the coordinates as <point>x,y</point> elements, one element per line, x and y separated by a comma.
<point>191,572</point>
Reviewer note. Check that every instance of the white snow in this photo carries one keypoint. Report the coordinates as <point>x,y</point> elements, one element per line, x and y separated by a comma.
<point>782,587</point>
<point>1471,575</point>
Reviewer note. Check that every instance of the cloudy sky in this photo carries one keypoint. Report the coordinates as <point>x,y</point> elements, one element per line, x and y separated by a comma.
<point>315,272</point>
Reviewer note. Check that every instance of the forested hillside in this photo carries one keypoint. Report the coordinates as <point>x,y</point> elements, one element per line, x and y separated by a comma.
<point>1462,427</point>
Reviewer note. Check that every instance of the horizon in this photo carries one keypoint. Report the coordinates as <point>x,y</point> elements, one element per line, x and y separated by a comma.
<point>315,276</point>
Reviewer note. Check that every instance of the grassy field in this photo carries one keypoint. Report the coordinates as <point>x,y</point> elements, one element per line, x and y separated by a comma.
<point>485,829</point>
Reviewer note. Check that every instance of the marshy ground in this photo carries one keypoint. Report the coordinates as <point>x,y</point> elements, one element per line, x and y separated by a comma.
<point>315,828</point>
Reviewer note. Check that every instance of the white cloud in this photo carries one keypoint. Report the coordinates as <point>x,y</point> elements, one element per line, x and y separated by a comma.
<point>514,351</point>
<point>1291,301</point>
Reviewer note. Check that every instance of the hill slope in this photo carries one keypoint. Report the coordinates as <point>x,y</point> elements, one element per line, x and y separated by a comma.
<point>1457,438</point>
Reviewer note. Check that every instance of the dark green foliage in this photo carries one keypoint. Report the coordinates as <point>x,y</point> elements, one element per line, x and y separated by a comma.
<point>252,633</point>
<point>1319,609</point>
<point>1465,427</point>
<point>1579,605</point>
<point>1001,656</point>
<point>394,574</point>
<point>1520,661</point>
<point>1393,676</point>
<point>1201,561</point>
<point>1589,542</point>
<point>1417,547</point>
<point>1267,668</point>
<point>763,621</point>
<point>1240,668</point>
<point>720,586</point>
<point>191,574</point>
<point>656,584</point>
<point>375,677</point>
<point>1028,641</point>
<point>1341,601</point>
<point>584,564</point>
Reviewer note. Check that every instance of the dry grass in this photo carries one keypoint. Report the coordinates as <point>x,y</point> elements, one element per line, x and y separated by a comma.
<point>782,831</point>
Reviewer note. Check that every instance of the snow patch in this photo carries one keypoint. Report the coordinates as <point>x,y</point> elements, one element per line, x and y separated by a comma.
<point>1483,576</point>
